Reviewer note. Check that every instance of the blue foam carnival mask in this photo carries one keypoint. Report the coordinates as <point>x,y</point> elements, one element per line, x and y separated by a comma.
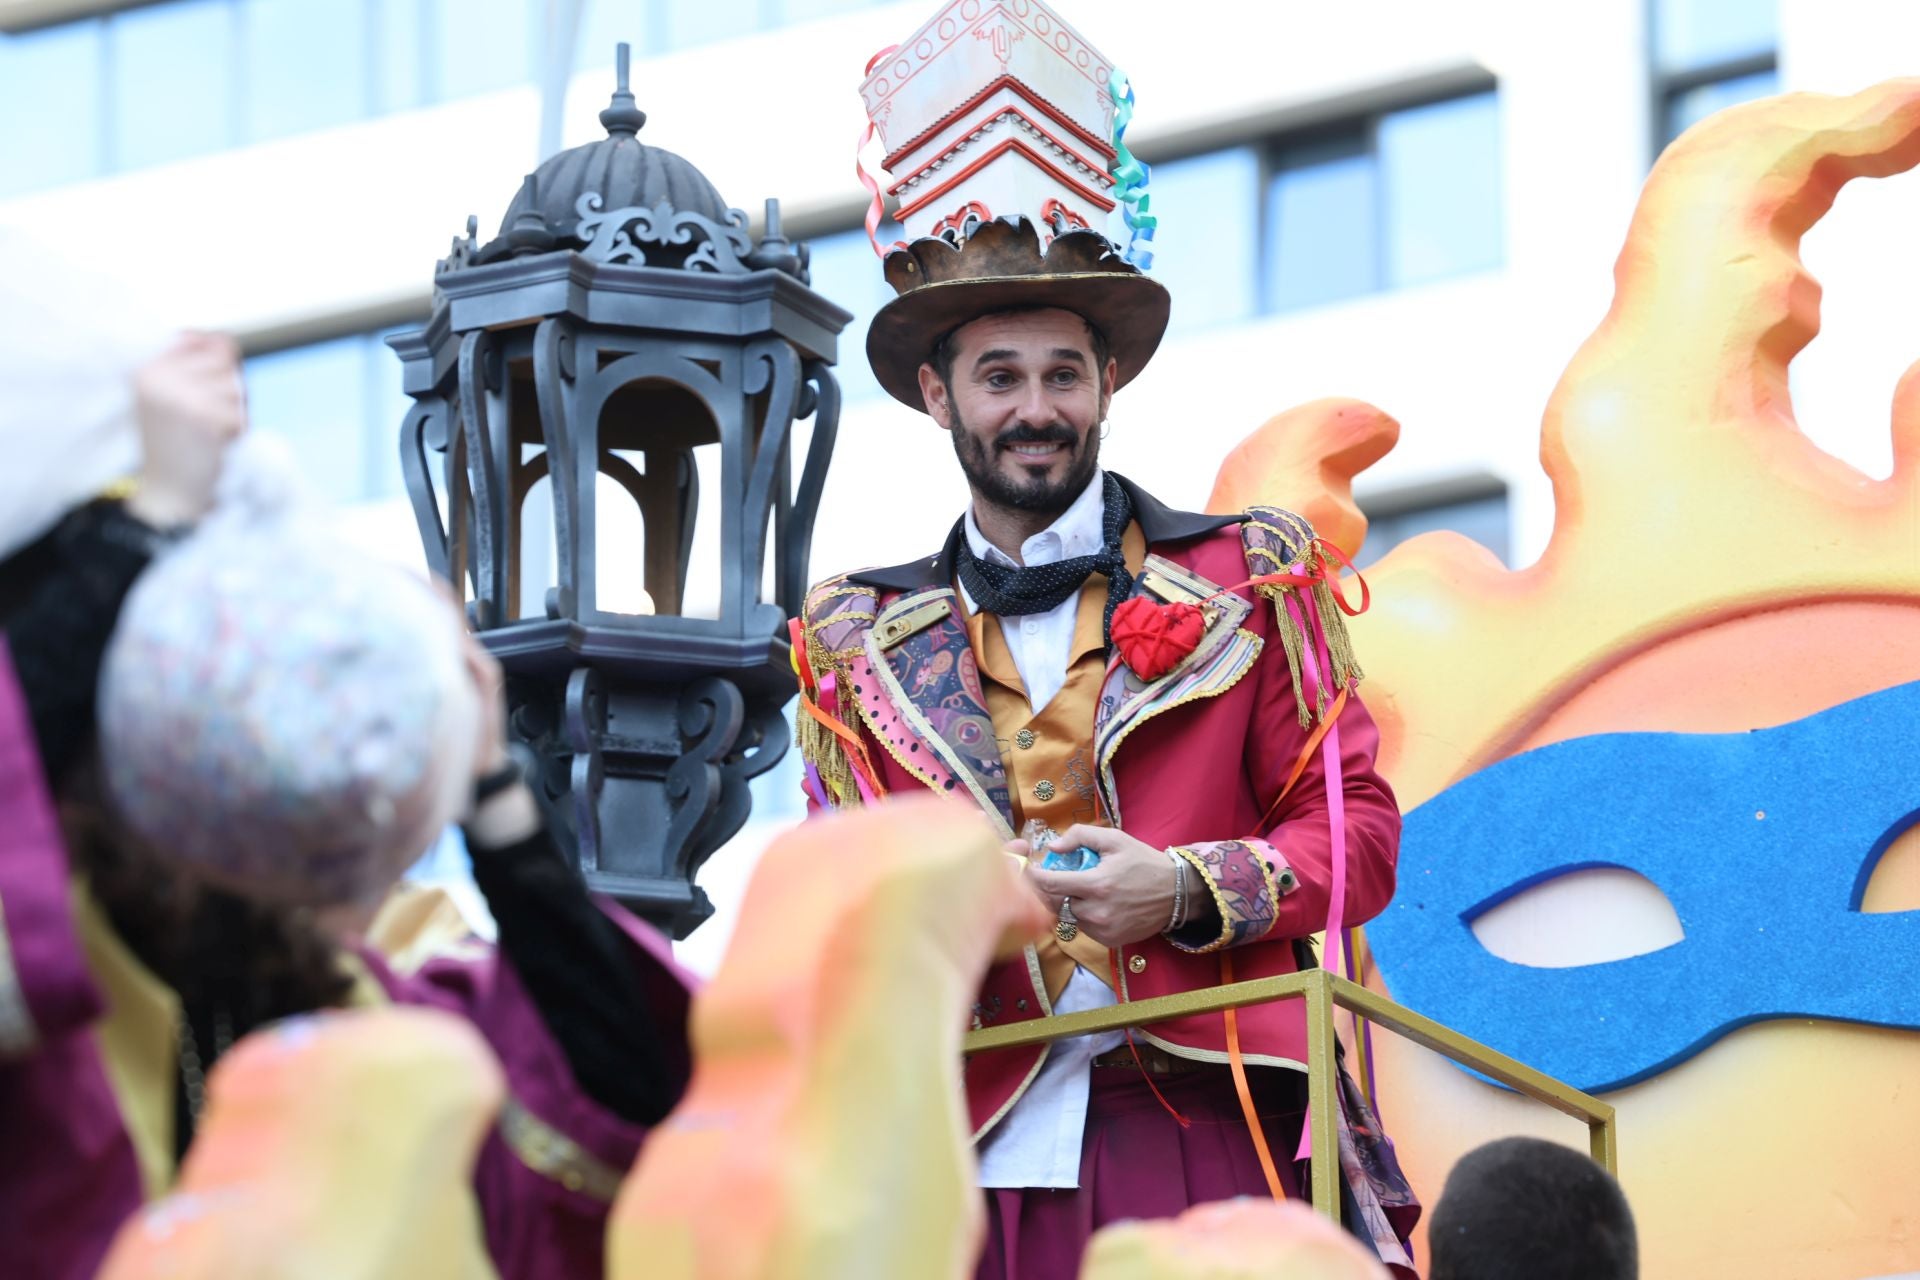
<point>1763,842</point>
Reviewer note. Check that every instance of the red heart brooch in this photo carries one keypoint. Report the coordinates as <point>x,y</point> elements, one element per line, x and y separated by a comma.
<point>1152,637</point>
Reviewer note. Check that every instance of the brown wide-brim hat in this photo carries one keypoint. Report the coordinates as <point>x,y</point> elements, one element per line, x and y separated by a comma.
<point>999,267</point>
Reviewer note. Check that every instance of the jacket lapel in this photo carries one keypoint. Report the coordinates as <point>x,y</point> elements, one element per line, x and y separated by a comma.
<point>1224,654</point>
<point>925,705</point>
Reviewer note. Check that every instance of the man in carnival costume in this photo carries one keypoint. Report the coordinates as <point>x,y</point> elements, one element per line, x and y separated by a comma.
<point>1171,691</point>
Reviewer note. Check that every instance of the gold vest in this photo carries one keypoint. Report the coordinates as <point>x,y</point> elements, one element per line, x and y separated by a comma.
<point>1048,754</point>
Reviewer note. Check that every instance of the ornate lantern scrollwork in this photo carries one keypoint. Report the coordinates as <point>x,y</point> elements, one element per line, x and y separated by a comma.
<point>624,341</point>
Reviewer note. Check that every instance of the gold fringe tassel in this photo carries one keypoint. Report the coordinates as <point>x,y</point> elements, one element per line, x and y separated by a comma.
<point>819,745</point>
<point>1295,640</point>
<point>822,749</point>
<point>1346,667</point>
<point>1293,644</point>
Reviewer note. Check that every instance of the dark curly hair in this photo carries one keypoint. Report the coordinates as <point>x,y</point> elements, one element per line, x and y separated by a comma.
<point>212,947</point>
<point>1525,1208</point>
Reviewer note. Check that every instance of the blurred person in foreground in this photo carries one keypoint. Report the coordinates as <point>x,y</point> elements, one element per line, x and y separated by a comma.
<point>287,724</point>
<point>1528,1209</point>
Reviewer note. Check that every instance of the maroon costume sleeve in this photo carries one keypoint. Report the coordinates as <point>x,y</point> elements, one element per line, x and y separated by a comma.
<point>45,989</point>
<point>1278,882</point>
<point>549,1173</point>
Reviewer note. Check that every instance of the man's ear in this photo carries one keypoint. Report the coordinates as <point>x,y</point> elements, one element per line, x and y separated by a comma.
<point>1107,377</point>
<point>933,389</point>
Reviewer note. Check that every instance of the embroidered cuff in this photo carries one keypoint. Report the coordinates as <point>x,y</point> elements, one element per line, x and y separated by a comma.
<point>1246,879</point>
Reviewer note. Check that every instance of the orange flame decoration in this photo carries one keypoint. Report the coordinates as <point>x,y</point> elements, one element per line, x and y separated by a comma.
<point>1710,570</point>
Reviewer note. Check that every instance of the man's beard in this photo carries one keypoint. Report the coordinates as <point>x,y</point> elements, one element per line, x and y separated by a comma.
<point>1037,493</point>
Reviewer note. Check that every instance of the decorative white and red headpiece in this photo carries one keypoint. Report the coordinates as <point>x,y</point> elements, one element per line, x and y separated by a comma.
<point>997,113</point>
<point>995,108</point>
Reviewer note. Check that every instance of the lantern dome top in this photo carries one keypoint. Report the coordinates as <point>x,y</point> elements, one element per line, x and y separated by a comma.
<point>615,172</point>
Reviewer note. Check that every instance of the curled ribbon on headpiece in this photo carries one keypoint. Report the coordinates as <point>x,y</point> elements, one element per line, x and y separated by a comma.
<point>876,209</point>
<point>1130,175</point>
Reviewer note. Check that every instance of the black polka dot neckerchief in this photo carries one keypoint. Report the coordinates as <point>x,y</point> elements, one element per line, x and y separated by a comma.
<point>1011,591</point>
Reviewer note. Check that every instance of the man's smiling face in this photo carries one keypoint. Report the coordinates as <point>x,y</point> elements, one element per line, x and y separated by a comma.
<point>1022,393</point>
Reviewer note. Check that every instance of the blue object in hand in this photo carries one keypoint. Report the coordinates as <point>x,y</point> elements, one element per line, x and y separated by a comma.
<point>1081,859</point>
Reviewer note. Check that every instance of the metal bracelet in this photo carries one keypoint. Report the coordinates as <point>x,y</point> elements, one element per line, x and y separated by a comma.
<point>1179,916</point>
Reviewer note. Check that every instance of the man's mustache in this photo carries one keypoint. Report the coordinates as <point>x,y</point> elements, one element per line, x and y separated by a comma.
<point>1024,434</point>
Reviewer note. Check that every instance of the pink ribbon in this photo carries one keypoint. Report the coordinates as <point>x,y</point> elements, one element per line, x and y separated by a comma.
<point>828,683</point>
<point>876,209</point>
<point>1319,659</point>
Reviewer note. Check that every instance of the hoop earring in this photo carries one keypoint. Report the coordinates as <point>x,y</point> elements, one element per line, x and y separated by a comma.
<point>1105,428</point>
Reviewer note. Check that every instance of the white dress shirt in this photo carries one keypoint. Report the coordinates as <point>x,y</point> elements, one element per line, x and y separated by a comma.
<point>1037,1144</point>
<point>1042,643</point>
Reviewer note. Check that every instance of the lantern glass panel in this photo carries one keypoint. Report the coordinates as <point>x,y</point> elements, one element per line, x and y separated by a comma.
<point>706,576</point>
<point>660,457</point>
<point>620,537</point>
<point>537,555</point>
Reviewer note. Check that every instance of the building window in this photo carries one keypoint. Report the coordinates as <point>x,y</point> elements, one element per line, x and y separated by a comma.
<point>306,65</point>
<point>52,78</point>
<point>1399,199</point>
<point>1475,506</point>
<point>682,26</point>
<point>1382,202</point>
<point>1322,225</point>
<point>1441,194</point>
<point>398,72</point>
<point>661,26</point>
<point>1385,202</point>
<point>1199,254</point>
<point>173,79</point>
<point>1708,55</point>
<point>339,405</point>
<point>605,24</point>
<point>156,83</point>
<point>481,45</point>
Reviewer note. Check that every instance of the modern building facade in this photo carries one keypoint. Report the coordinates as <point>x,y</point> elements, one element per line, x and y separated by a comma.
<point>1415,204</point>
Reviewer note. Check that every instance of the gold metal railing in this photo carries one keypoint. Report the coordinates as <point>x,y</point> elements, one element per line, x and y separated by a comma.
<point>1323,991</point>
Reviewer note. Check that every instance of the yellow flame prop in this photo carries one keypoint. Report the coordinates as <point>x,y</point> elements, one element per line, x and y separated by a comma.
<point>1684,492</point>
<point>1710,570</point>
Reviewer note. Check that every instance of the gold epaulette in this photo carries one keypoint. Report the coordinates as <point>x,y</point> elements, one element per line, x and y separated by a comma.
<point>1278,541</point>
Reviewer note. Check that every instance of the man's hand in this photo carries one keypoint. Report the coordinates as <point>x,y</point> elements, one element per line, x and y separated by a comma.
<point>189,404</point>
<point>1127,898</point>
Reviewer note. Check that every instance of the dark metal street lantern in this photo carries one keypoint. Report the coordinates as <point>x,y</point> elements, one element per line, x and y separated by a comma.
<point>624,341</point>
